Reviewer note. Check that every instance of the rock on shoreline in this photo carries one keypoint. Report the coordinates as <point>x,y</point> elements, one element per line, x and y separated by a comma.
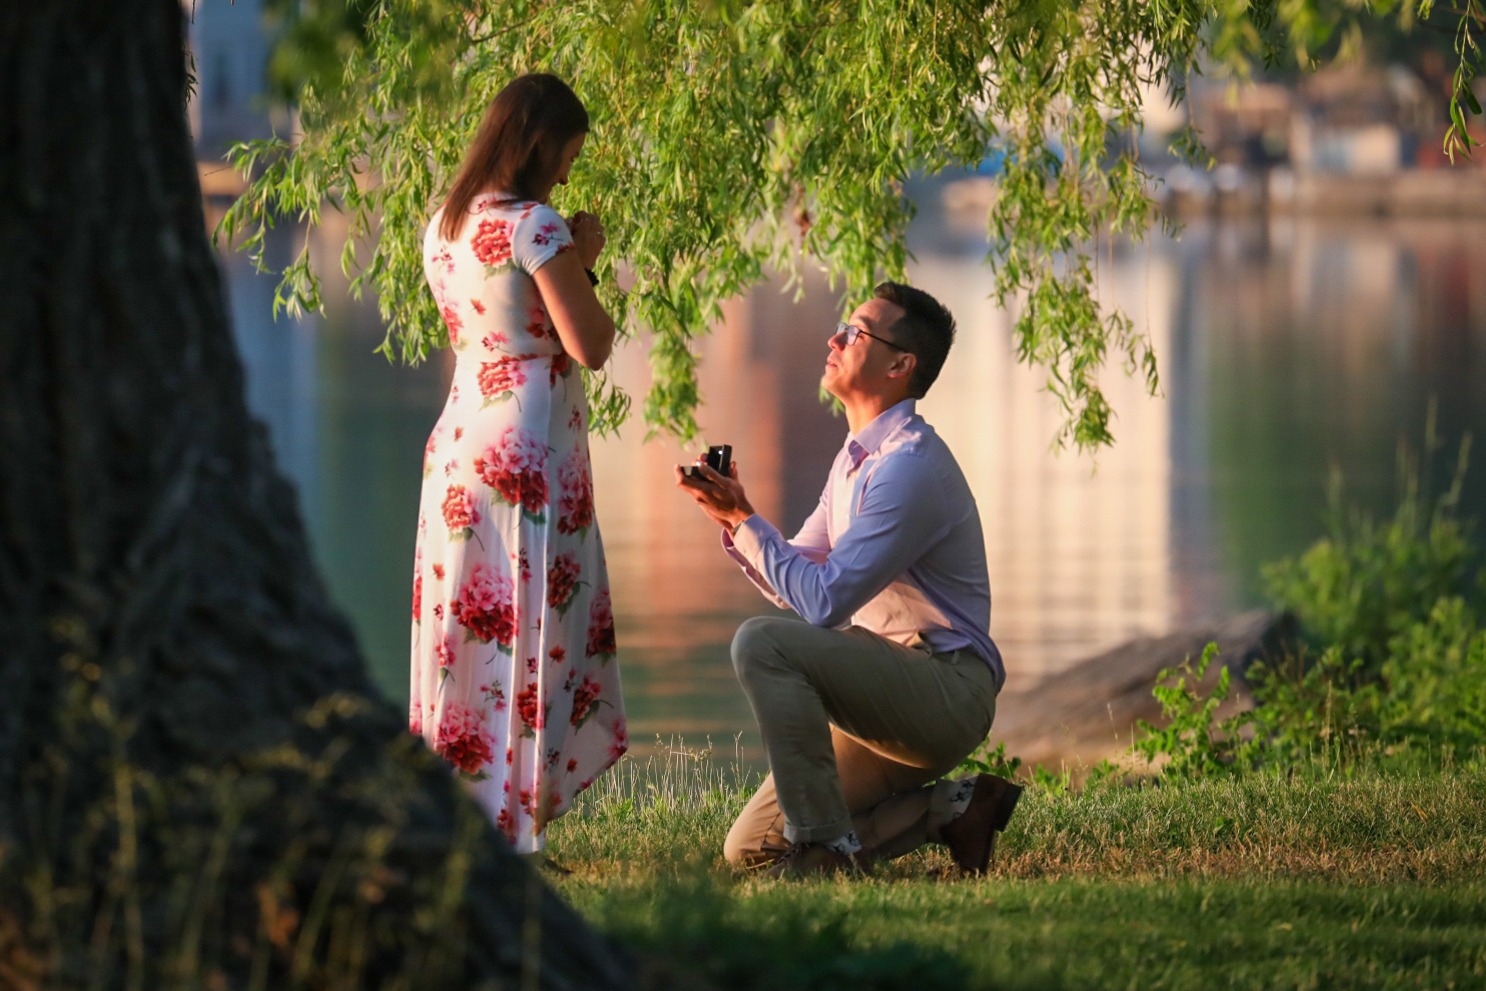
<point>1087,713</point>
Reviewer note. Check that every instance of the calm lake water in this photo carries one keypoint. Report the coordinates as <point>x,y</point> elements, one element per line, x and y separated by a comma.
<point>1288,348</point>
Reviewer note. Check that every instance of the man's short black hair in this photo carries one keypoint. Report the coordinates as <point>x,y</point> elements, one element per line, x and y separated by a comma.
<point>926,329</point>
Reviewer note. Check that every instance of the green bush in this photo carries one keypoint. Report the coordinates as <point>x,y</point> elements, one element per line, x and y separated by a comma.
<point>1193,741</point>
<point>1321,707</point>
<point>1367,582</point>
<point>1434,680</point>
<point>1394,659</point>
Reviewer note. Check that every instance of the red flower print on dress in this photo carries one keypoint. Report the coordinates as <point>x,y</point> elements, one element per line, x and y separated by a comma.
<point>530,709</point>
<point>536,323</point>
<point>498,379</point>
<point>545,234</point>
<point>463,740</point>
<point>584,698</point>
<point>492,243</point>
<point>572,764</point>
<point>560,365</point>
<point>601,626</point>
<point>444,650</point>
<point>558,654</point>
<point>506,824</point>
<point>443,259</point>
<point>493,340</point>
<point>517,468</point>
<point>415,719</point>
<point>575,510</point>
<point>417,598</point>
<point>477,306</point>
<point>575,419</point>
<point>485,607</point>
<point>619,742</point>
<point>562,580</point>
<point>453,322</point>
<point>460,514</point>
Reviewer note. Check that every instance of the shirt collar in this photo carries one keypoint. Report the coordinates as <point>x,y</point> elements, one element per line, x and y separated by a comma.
<point>860,445</point>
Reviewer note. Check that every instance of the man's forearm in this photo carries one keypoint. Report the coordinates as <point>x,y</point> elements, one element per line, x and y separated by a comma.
<point>795,575</point>
<point>749,571</point>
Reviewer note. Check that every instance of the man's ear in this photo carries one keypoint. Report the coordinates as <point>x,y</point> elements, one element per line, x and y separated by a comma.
<point>903,365</point>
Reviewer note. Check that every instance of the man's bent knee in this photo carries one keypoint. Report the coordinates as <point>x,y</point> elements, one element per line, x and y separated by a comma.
<point>757,643</point>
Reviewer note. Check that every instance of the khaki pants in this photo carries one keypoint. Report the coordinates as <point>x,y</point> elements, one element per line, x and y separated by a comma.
<point>855,728</point>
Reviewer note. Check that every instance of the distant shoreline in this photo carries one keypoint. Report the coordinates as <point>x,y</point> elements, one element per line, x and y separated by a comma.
<point>1457,193</point>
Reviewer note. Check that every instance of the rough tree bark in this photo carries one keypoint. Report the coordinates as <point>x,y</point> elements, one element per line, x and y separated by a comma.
<point>198,784</point>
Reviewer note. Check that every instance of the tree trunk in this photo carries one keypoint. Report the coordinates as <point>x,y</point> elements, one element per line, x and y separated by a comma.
<point>198,784</point>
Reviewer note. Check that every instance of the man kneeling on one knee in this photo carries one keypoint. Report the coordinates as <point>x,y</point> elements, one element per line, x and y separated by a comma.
<point>892,680</point>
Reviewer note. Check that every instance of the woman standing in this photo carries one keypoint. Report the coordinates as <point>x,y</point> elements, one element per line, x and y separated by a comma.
<point>514,680</point>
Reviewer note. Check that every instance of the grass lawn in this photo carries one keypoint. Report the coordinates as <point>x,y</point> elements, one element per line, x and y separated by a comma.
<point>1314,879</point>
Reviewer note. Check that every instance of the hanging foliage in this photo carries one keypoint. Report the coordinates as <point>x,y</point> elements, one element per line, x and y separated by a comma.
<point>734,138</point>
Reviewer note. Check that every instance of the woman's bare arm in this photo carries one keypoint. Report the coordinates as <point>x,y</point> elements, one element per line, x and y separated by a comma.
<point>583,325</point>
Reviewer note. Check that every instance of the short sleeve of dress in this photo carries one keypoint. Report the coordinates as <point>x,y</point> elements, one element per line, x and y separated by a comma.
<point>540,235</point>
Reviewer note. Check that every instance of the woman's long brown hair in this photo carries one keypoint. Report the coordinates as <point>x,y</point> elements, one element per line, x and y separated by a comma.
<point>518,145</point>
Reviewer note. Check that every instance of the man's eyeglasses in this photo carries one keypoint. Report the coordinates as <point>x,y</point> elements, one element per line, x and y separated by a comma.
<point>852,332</point>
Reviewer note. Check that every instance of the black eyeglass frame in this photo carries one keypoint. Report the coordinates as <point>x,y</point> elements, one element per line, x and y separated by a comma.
<point>852,332</point>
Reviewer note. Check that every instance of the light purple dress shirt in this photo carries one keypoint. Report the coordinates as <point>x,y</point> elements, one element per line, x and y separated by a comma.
<point>894,546</point>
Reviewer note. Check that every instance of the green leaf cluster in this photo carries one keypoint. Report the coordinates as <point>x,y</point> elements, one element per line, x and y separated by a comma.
<point>732,138</point>
<point>1192,740</point>
<point>1467,43</point>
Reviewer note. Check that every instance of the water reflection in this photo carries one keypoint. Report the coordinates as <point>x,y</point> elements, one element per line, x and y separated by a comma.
<point>1287,347</point>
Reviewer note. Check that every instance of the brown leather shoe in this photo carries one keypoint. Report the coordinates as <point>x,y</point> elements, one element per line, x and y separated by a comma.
<point>815,859</point>
<point>971,837</point>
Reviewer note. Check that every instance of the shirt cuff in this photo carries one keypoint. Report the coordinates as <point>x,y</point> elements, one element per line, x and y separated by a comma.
<point>746,547</point>
<point>749,539</point>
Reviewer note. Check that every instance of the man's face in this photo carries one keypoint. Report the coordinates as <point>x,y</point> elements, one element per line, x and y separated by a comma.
<point>862,367</point>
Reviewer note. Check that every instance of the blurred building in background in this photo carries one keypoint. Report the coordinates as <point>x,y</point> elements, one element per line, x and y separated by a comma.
<point>230,49</point>
<point>1355,139</point>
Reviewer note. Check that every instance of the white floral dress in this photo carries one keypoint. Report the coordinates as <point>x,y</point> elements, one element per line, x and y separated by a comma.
<point>514,680</point>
